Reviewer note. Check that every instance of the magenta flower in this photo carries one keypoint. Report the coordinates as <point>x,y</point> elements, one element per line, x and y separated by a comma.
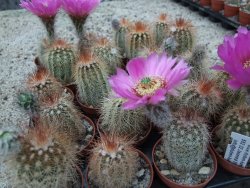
<point>42,8</point>
<point>79,8</point>
<point>235,53</point>
<point>149,80</point>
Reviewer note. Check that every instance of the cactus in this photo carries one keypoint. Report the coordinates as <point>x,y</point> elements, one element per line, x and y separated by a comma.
<point>235,120</point>
<point>203,95</point>
<point>107,53</point>
<point>169,45</point>
<point>91,79</point>
<point>185,141</point>
<point>113,163</point>
<point>161,29</point>
<point>138,38</point>
<point>59,58</point>
<point>183,33</point>
<point>123,122</point>
<point>46,160</point>
<point>8,142</point>
<point>121,29</point>
<point>56,108</point>
<point>26,100</point>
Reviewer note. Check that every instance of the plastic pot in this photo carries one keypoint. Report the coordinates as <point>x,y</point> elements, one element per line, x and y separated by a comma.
<point>205,3</point>
<point>217,5</point>
<point>230,10</point>
<point>244,18</point>
<point>235,169</point>
<point>88,110</point>
<point>173,184</point>
<point>142,155</point>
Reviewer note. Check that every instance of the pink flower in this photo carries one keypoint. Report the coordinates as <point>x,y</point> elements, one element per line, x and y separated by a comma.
<point>235,53</point>
<point>149,80</point>
<point>42,8</point>
<point>79,8</point>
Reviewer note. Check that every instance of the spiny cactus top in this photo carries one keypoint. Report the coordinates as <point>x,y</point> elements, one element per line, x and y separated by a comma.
<point>148,80</point>
<point>235,53</point>
<point>161,29</point>
<point>113,163</point>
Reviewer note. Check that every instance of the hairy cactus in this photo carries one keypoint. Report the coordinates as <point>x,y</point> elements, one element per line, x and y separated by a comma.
<point>161,29</point>
<point>203,95</point>
<point>138,38</point>
<point>59,58</point>
<point>91,80</point>
<point>56,108</point>
<point>46,160</point>
<point>185,141</point>
<point>107,53</point>
<point>26,100</point>
<point>113,163</point>
<point>183,34</point>
<point>8,142</point>
<point>123,122</point>
<point>235,120</point>
<point>121,29</point>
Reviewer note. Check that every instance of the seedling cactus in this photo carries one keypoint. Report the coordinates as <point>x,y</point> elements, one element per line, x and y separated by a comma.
<point>113,163</point>
<point>8,142</point>
<point>185,141</point>
<point>91,79</point>
<point>59,58</point>
<point>161,29</point>
<point>26,100</point>
<point>123,122</point>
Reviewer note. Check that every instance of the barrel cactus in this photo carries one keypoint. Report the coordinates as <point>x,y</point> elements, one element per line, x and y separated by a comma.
<point>123,122</point>
<point>182,31</point>
<point>161,29</point>
<point>59,58</point>
<point>107,53</point>
<point>185,141</point>
<point>235,120</point>
<point>46,159</point>
<point>113,163</point>
<point>138,38</point>
<point>91,79</point>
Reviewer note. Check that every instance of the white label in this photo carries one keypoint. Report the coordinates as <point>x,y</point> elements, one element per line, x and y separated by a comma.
<point>238,152</point>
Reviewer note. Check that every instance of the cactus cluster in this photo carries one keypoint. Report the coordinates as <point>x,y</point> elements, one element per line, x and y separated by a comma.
<point>235,120</point>
<point>161,29</point>
<point>56,108</point>
<point>185,141</point>
<point>183,34</point>
<point>59,57</point>
<point>113,163</point>
<point>123,122</point>
<point>107,53</point>
<point>91,79</point>
<point>46,159</point>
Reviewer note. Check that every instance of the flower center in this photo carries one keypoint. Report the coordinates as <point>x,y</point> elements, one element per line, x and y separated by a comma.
<point>246,64</point>
<point>148,85</point>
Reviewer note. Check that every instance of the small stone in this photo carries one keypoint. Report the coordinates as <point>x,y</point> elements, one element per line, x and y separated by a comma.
<point>88,137</point>
<point>159,154</point>
<point>174,172</point>
<point>140,173</point>
<point>204,170</point>
<point>90,129</point>
<point>163,161</point>
<point>165,172</point>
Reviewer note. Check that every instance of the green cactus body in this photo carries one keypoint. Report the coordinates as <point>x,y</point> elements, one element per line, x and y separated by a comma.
<point>91,80</point>
<point>185,144</point>
<point>137,39</point>
<point>123,122</point>
<point>120,39</point>
<point>26,100</point>
<point>60,59</point>
<point>62,110</point>
<point>8,142</point>
<point>113,165</point>
<point>236,120</point>
<point>161,30</point>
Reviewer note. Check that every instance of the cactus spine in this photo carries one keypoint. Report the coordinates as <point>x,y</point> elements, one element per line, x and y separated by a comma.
<point>121,31</point>
<point>123,122</point>
<point>138,38</point>
<point>183,34</point>
<point>235,120</point>
<point>46,160</point>
<point>56,108</point>
<point>161,29</point>
<point>59,58</point>
<point>107,53</point>
<point>91,80</point>
<point>185,142</point>
<point>113,163</point>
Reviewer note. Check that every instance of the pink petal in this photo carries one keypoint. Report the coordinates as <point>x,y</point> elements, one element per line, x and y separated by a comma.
<point>136,68</point>
<point>234,84</point>
<point>158,96</point>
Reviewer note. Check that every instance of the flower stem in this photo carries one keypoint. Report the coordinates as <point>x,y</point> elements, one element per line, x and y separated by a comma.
<point>49,24</point>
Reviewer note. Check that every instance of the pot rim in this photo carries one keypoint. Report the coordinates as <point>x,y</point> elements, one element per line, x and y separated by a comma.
<point>85,108</point>
<point>165,179</point>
